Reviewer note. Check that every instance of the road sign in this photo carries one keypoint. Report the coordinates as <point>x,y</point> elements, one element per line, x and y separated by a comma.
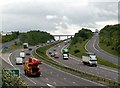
<point>15,72</point>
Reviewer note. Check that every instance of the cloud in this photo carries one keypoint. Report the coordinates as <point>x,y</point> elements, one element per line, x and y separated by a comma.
<point>49,17</point>
<point>60,16</point>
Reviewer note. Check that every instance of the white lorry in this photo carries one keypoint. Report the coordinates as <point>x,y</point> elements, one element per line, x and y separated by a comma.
<point>19,61</point>
<point>25,45</point>
<point>89,59</point>
<point>22,54</point>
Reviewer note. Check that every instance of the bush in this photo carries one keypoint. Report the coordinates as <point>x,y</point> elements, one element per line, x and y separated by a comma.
<point>10,80</point>
<point>76,51</point>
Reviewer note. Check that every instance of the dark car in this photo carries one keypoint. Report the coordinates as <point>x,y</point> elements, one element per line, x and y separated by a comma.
<point>54,49</point>
<point>37,45</point>
<point>30,49</point>
<point>27,53</point>
<point>50,52</point>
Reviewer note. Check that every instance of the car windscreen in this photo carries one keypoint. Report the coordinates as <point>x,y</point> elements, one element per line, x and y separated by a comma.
<point>65,55</point>
<point>93,58</point>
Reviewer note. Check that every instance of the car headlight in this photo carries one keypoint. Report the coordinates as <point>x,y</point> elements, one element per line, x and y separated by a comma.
<point>90,62</point>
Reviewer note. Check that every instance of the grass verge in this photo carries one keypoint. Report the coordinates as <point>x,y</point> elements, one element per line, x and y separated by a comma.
<point>81,48</point>
<point>77,46</point>
<point>108,49</point>
<point>11,47</point>
<point>41,54</point>
<point>107,63</point>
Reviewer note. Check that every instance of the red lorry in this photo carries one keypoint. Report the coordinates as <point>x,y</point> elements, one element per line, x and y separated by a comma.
<point>31,67</point>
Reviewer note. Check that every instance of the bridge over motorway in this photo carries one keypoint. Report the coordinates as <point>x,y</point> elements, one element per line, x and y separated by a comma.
<point>67,36</point>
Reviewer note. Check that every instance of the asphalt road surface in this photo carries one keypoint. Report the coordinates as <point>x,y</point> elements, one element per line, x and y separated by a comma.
<point>92,46</point>
<point>50,76</point>
<point>76,63</point>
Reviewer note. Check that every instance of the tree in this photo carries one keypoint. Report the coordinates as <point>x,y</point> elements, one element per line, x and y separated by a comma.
<point>10,80</point>
<point>110,36</point>
<point>35,37</point>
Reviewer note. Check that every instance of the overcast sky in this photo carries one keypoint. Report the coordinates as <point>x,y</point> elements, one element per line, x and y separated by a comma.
<point>57,16</point>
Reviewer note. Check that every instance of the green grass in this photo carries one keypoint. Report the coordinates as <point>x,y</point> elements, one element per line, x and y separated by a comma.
<point>107,63</point>
<point>42,52</point>
<point>11,47</point>
<point>108,49</point>
<point>79,46</point>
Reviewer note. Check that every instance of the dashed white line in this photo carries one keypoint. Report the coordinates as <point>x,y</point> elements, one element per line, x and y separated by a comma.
<point>20,72</point>
<point>109,69</point>
<point>47,79</point>
<point>54,82</point>
<point>51,86</point>
<point>31,80</point>
<point>64,78</point>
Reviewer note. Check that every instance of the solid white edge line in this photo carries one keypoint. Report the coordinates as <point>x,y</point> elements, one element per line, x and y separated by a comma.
<point>72,74</point>
<point>100,52</point>
<point>78,60</point>
<point>20,72</point>
<point>51,86</point>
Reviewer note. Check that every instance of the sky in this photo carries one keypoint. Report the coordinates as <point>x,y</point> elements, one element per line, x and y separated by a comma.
<point>57,16</point>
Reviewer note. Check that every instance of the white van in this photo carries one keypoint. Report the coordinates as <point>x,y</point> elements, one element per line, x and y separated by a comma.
<point>19,61</point>
<point>22,54</point>
<point>65,56</point>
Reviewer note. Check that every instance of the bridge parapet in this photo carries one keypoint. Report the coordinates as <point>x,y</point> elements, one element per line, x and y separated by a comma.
<point>67,36</point>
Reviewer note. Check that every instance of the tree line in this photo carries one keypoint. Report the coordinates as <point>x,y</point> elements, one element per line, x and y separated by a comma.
<point>35,37</point>
<point>110,36</point>
<point>11,37</point>
<point>81,36</point>
<point>32,37</point>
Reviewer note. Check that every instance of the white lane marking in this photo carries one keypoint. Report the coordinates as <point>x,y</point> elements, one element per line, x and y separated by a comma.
<point>74,59</point>
<point>64,78</point>
<point>86,45</point>
<point>73,82</point>
<point>81,61</point>
<point>94,46</point>
<point>20,72</point>
<point>63,48</point>
<point>74,75</point>
<point>109,69</point>
<point>51,86</point>
<point>30,80</point>
<point>87,50</point>
<point>70,56</point>
<point>68,73</point>
<point>105,51</point>
<point>10,61</point>
<point>47,79</point>
<point>100,52</point>
<point>54,82</point>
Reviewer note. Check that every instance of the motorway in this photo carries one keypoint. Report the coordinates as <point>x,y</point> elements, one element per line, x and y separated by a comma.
<point>50,76</point>
<point>93,46</point>
<point>76,63</point>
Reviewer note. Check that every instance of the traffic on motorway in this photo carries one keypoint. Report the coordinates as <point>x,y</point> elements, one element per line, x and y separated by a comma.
<point>35,72</point>
<point>40,74</point>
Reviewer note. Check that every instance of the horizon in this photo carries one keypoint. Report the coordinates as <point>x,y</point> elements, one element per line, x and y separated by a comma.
<point>58,17</point>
